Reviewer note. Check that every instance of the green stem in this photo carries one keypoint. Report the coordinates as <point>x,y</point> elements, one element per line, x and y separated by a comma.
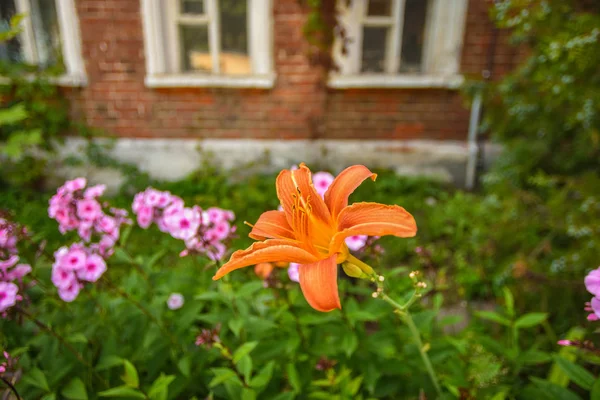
<point>403,311</point>
<point>417,337</point>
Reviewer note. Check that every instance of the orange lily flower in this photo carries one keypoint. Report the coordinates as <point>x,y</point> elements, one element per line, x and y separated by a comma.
<point>311,231</point>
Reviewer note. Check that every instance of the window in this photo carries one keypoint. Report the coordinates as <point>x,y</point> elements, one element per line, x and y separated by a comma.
<point>400,43</point>
<point>208,43</point>
<point>49,37</point>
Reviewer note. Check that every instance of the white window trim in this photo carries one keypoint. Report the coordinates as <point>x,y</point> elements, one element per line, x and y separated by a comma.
<point>70,38</point>
<point>443,41</point>
<point>162,57</point>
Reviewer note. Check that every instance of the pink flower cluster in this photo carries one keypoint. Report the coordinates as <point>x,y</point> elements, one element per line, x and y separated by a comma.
<point>75,265</point>
<point>11,271</point>
<point>203,231</point>
<point>76,208</point>
<point>151,206</point>
<point>592,284</point>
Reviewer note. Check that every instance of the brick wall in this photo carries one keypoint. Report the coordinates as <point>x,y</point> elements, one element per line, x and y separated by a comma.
<point>298,107</point>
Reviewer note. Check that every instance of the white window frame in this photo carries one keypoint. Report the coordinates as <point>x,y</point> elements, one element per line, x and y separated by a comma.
<point>444,31</point>
<point>70,38</point>
<point>162,47</point>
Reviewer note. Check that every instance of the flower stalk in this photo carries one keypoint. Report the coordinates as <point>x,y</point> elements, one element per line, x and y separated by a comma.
<point>402,310</point>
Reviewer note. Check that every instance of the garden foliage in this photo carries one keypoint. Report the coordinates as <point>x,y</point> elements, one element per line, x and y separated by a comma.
<point>503,268</point>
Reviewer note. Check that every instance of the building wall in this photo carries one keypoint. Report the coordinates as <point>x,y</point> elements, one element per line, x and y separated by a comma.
<point>297,107</point>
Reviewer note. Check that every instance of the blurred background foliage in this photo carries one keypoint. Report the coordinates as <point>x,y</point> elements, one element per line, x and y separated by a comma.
<point>505,264</point>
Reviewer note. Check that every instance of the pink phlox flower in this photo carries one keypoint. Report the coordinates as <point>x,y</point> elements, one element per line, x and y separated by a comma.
<point>592,282</point>
<point>216,251</point>
<point>564,342</point>
<point>220,231</point>
<point>145,215</point>
<point>89,209</point>
<point>175,301</point>
<point>18,272</point>
<point>74,259</point>
<point>294,272</point>
<point>183,224</point>
<point>217,215</point>
<point>11,261</point>
<point>94,191</point>
<point>94,267</point>
<point>356,242</point>
<point>75,184</point>
<point>62,277</point>
<point>595,303</point>
<point>322,180</point>
<point>8,295</point>
<point>70,293</point>
<point>106,224</point>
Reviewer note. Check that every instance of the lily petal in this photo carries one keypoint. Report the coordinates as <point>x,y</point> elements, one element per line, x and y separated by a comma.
<point>272,225</point>
<point>286,190</point>
<point>336,197</point>
<point>309,198</point>
<point>272,250</point>
<point>372,219</point>
<point>318,282</point>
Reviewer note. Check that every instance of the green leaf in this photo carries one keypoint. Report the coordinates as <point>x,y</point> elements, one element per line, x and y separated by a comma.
<point>236,326</point>
<point>248,394</point>
<point>123,391</point>
<point>579,375</point>
<point>155,257</point>
<point>107,362</point>
<point>222,375</point>
<point>19,141</point>
<point>595,394</point>
<point>121,255</point>
<point>533,357</point>
<point>509,302</point>
<point>13,114</point>
<point>184,366</point>
<point>293,378</point>
<point>553,391</point>
<point>354,386</point>
<point>130,377</point>
<point>530,320</point>
<point>249,289</point>
<point>244,367</point>
<point>160,387</point>
<point>75,390</point>
<point>244,349</point>
<point>36,378</point>
<point>263,377</point>
<point>492,316</point>
<point>77,338</point>
<point>349,342</point>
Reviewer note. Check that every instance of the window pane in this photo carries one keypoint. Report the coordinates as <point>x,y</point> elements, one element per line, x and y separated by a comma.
<point>413,34</point>
<point>373,49</point>
<point>192,7</point>
<point>380,8</point>
<point>194,48</point>
<point>46,31</point>
<point>10,51</point>
<point>234,58</point>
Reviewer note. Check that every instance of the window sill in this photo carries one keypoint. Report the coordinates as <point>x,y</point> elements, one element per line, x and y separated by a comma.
<point>67,80</point>
<point>395,81</point>
<point>183,80</point>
